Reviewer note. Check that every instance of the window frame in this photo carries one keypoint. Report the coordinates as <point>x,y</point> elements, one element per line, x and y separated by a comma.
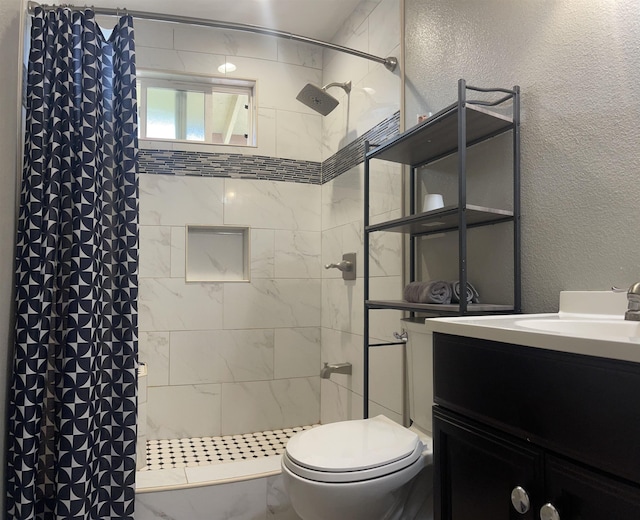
<point>208,85</point>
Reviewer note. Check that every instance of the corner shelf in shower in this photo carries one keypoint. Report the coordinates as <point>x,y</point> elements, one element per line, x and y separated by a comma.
<point>453,130</point>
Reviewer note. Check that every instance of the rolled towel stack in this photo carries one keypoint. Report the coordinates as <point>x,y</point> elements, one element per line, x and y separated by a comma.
<point>428,292</point>
<point>472,294</point>
<point>438,291</point>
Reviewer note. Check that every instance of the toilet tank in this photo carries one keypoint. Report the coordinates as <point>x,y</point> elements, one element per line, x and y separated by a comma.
<point>419,374</point>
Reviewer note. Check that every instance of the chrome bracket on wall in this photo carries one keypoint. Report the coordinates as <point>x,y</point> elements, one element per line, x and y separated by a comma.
<point>347,266</point>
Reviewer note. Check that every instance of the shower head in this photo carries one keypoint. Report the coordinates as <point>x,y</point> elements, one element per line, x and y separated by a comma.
<point>318,99</point>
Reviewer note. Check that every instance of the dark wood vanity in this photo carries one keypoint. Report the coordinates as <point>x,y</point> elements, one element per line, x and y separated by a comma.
<point>528,433</point>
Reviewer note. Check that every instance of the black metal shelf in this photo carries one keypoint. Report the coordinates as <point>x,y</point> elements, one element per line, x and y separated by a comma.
<point>443,219</point>
<point>452,130</point>
<point>440,309</point>
<point>437,137</point>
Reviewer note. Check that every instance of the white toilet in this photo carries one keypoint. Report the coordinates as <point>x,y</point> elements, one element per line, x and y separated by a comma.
<point>368,469</point>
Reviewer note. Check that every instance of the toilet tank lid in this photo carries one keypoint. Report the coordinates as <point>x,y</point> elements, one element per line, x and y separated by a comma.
<point>352,445</point>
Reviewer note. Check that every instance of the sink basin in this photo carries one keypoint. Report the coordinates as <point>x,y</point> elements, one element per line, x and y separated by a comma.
<point>588,323</point>
<point>588,328</point>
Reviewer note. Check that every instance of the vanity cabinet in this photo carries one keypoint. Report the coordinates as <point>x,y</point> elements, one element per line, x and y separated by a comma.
<point>527,433</point>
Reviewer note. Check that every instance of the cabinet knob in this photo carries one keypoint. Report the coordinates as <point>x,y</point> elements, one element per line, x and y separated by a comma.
<point>520,500</point>
<point>549,512</point>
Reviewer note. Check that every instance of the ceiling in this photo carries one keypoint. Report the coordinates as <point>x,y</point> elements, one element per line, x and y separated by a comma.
<point>313,18</point>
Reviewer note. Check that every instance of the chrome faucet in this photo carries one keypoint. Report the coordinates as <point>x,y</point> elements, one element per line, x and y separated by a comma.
<point>338,368</point>
<point>633,309</point>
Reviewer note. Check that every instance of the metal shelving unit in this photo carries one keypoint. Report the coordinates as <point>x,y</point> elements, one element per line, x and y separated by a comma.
<point>451,131</point>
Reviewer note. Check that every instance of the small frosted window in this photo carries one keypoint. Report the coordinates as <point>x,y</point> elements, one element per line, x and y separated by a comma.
<point>175,114</point>
<point>195,116</point>
<point>205,110</point>
<point>161,113</point>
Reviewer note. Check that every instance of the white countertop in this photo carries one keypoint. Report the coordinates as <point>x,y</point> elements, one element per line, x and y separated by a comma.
<point>591,308</point>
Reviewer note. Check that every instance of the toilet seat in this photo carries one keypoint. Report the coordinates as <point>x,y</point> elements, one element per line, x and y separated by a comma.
<point>352,451</point>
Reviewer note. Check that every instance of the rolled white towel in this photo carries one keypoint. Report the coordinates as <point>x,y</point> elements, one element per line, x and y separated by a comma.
<point>435,291</point>
<point>472,294</point>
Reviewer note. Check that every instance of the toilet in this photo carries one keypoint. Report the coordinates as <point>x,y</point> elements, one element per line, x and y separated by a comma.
<point>368,469</point>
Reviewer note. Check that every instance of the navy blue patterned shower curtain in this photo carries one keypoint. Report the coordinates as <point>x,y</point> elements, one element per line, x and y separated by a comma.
<point>72,409</point>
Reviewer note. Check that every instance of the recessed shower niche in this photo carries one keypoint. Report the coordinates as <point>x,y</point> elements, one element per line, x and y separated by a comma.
<point>217,254</point>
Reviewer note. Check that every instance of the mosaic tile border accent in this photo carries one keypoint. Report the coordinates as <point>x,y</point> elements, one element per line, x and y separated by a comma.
<point>353,154</point>
<point>238,166</point>
<point>260,167</point>
<point>204,451</point>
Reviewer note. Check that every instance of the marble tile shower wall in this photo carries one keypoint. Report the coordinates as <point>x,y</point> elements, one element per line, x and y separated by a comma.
<point>373,27</point>
<point>234,357</point>
<point>227,358</point>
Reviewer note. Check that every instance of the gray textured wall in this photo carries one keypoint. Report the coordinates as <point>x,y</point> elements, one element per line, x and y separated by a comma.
<point>578,65</point>
<point>9,38</point>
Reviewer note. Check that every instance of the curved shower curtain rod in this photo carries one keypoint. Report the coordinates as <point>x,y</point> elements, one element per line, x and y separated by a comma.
<point>390,62</point>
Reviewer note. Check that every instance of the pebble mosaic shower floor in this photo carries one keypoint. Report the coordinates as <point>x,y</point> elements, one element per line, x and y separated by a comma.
<point>204,451</point>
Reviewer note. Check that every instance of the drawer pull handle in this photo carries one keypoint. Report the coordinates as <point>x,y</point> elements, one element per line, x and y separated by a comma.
<point>520,500</point>
<point>549,512</point>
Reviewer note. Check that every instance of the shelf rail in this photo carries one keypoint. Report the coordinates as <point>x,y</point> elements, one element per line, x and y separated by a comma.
<point>510,95</point>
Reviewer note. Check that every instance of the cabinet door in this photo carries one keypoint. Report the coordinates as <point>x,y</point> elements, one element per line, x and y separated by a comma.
<point>476,471</point>
<point>582,494</point>
<point>584,407</point>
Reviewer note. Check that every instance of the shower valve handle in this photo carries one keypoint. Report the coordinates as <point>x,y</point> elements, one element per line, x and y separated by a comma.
<point>347,266</point>
<point>343,266</point>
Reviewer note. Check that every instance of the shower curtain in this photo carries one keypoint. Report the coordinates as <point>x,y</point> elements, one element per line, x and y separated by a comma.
<point>72,409</point>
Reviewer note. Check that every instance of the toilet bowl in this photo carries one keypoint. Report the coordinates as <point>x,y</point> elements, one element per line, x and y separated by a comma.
<point>370,469</point>
<point>354,470</point>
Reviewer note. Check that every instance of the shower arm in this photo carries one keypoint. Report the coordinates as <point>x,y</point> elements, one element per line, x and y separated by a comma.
<point>345,86</point>
<point>390,62</point>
